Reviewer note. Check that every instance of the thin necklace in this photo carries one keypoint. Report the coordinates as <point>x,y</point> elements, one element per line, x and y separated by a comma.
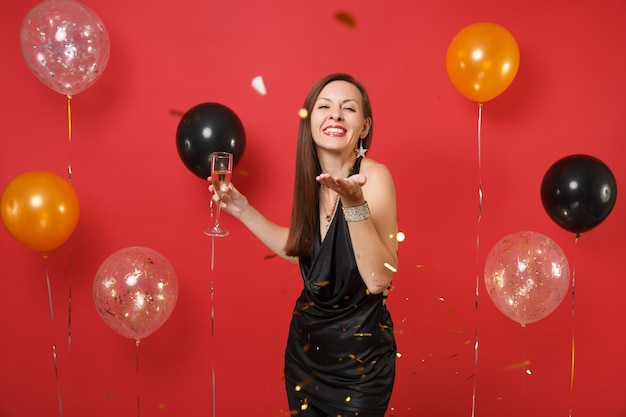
<point>329,217</point>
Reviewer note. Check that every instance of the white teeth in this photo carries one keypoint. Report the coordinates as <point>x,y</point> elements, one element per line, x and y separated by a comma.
<point>335,130</point>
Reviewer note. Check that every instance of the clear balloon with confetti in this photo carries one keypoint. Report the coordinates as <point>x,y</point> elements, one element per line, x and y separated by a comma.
<point>527,276</point>
<point>135,291</point>
<point>65,44</point>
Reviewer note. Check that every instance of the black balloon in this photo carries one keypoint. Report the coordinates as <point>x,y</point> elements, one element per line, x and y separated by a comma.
<point>578,192</point>
<point>208,128</point>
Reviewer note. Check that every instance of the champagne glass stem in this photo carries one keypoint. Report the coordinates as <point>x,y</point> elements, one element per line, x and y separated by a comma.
<point>218,210</point>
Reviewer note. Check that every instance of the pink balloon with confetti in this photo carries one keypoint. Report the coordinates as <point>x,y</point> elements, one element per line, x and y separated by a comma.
<point>135,291</point>
<point>527,276</point>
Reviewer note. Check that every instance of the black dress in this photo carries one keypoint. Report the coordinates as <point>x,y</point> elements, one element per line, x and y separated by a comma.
<point>341,351</point>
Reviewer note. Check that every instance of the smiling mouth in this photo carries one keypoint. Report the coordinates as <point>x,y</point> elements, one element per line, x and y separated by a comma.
<point>334,131</point>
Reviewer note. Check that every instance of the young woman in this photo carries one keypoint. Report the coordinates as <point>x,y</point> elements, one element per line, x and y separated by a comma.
<point>340,355</point>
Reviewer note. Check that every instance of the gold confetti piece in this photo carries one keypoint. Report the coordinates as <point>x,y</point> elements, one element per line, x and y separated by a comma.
<point>362,334</point>
<point>419,266</point>
<point>346,19</point>
<point>390,267</point>
<point>400,236</point>
<point>259,85</point>
<point>519,365</point>
<point>306,381</point>
<point>303,113</point>
<point>348,399</point>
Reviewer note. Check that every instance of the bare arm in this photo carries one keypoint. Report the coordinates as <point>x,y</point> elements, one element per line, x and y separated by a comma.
<point>269,233</point>
<point>374,239</point>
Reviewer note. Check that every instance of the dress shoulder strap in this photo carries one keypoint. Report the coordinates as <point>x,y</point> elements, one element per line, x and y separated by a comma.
<point>357,166</point>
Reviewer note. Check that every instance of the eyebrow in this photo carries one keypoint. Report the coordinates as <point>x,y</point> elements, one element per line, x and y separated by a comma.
<point>344,101</point>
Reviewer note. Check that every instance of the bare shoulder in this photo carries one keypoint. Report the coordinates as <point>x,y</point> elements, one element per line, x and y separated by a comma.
<point>375,171</point>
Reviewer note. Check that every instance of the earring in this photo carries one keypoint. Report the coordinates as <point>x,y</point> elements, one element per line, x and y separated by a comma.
<point>361,151</point>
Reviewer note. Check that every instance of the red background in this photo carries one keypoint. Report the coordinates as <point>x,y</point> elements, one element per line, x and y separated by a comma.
<point>134,191</point>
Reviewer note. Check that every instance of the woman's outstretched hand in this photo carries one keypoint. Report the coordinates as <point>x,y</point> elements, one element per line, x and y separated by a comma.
<point>348,188</point>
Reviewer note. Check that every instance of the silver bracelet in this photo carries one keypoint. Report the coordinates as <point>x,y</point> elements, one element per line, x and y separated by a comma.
<point>357,213</point>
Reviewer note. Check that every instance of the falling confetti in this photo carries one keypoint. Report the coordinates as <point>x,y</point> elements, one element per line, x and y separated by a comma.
<point>345,18</point>
<point>259,85</point>
<point>523,364</point>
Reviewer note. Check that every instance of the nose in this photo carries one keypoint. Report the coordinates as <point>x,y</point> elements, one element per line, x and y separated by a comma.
<point>336,115</point>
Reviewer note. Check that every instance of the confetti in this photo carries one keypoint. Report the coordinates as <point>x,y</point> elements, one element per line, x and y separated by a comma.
<point>346,19</point>
<point>519,365</point>
<point>259,85</point>
<point>303,113</point>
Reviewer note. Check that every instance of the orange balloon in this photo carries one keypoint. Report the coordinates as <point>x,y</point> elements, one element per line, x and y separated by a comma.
<point>40,210</point>
<point>482,61</point>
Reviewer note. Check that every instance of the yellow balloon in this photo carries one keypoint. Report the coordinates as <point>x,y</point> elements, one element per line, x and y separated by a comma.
<point>40,210</point>
<point>482,61</point>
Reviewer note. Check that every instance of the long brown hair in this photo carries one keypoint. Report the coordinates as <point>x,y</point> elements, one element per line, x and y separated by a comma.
<point>304,213</point>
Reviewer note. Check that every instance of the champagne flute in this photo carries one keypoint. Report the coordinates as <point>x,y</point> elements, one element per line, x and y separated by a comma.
<point>221,171</point>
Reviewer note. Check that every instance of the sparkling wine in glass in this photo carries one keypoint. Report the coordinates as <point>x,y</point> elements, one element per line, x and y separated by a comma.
<point>221,171</point>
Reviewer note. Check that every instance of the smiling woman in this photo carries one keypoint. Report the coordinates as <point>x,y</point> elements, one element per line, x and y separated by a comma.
<point>340,355</point>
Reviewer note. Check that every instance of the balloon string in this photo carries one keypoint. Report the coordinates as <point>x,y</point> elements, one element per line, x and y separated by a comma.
<point>479,217</point>
<point>69,318</point>
<point>54,347</point>
<point>214,393</point>
<point>137,343</point>
<point>524,368</point>
<point>69,136</point>
<point>571,378</point>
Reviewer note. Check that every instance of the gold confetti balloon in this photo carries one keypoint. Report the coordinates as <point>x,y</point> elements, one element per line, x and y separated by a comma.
<point>527,276</point>
<point>135,291</point>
